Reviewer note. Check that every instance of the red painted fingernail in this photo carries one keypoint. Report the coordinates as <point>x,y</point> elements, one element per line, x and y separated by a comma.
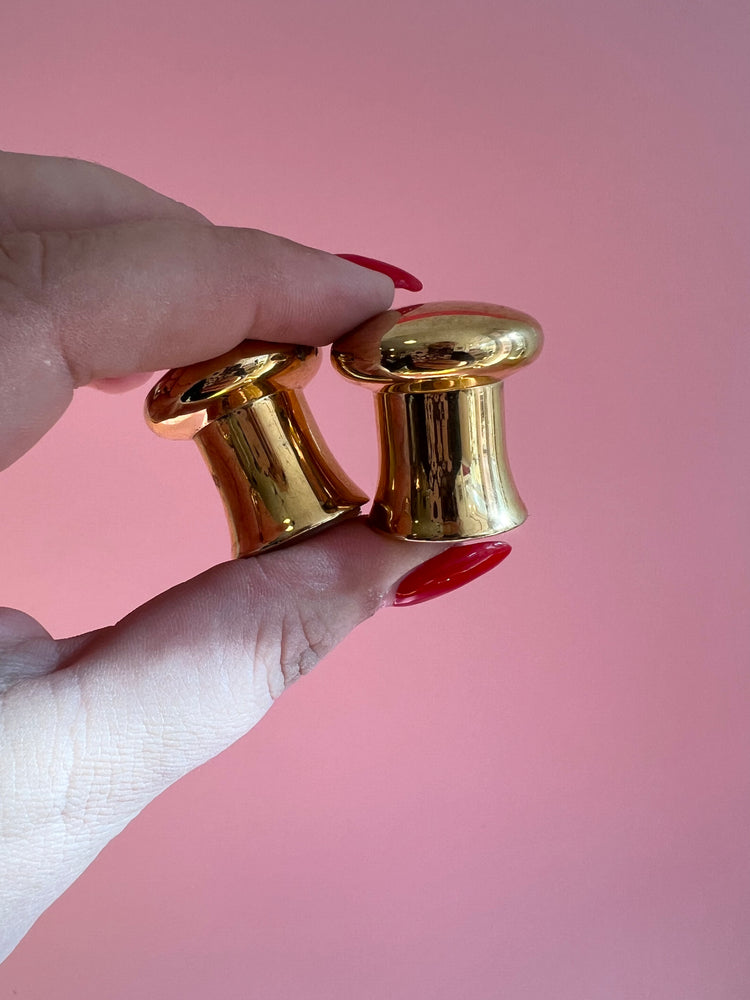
<point>448,571</point>
<point>399,277</point>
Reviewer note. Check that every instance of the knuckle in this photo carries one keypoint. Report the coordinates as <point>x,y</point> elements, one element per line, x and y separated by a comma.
<point>305,640</point>
<point>28,275</point>
<point>23,266</point>
<point>36,266</point>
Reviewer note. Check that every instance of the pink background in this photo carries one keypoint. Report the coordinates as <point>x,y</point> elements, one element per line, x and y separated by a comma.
<point>536,788</point>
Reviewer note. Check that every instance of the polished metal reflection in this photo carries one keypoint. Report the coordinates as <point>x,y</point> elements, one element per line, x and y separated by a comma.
<point>247,414</point>
<point>437,370</point>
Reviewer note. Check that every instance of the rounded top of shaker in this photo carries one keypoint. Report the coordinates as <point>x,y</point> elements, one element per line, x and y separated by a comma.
<point>438,346</point>
<point>186,399</point>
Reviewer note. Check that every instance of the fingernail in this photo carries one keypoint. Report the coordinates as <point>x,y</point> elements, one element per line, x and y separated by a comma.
<point>399,277</point>
<point>448,571</point>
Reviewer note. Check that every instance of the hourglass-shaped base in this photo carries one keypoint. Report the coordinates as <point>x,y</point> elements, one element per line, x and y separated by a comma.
<point>276,477</point>
<point>444,472</point>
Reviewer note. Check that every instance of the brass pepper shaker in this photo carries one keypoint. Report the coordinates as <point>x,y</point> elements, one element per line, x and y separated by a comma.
<point>437,370</point>
<point>247,414</point>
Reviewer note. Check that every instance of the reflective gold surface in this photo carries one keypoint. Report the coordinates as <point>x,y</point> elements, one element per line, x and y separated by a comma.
<point>437,370</point>
<point>247,414</point>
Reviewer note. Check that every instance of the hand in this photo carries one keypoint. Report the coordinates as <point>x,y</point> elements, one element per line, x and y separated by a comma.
<point>101,278</point>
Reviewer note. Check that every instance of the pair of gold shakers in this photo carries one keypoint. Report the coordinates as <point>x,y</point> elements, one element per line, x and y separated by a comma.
<point>437,370</point>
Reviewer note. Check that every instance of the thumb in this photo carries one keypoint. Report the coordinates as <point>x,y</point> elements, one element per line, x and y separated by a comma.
<point>188,673</point>
<point>181,678</point>
<point>133,707</point>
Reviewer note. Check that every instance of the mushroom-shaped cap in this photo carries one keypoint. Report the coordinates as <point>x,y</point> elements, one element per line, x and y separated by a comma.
<point>186,399</point>
<point>438,346</point>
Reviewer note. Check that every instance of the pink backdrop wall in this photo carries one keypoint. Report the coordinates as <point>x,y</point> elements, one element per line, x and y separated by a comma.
<point>536,787</point>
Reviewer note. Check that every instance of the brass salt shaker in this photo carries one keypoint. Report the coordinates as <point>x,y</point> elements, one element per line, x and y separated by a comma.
<point>437,370</point>
<point>246,412</point>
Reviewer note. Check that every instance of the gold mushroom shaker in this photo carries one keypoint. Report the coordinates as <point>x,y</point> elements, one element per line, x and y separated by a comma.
<point>437,370</point>
<point>246,412</point>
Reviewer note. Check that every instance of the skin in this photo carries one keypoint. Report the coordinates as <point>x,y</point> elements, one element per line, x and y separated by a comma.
<point>103,279</point>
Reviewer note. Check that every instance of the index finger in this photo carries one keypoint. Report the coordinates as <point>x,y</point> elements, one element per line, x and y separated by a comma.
<point>147,295</point>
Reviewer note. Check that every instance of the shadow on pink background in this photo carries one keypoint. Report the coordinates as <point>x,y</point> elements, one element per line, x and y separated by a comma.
<point>536,788</point>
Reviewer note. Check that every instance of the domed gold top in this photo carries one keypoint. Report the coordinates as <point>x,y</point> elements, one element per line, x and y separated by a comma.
<point>438,346</point>
<point>185,400</point>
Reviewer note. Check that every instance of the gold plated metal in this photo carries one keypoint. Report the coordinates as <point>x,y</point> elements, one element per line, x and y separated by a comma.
<point>247,414</point>
<point>437,370</point>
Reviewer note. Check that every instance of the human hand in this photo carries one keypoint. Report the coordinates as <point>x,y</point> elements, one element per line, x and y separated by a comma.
<point>102,278</point>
